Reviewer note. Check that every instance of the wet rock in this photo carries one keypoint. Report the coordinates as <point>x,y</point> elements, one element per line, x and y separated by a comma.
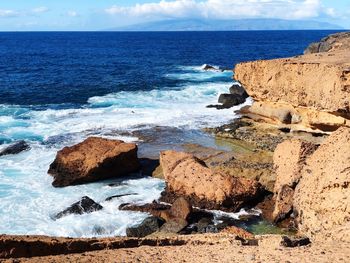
<point>295,241</point>
<point>154,208</point>
<point>207,67</point>
<point>84,206</point>
<point>118,196</point>
<point>174,225</point>
<point>148,226</point>
<point>92,160</point>
<point>15,148</point>
<point>237,89</point>
<point>181,208</point>
<point>190,177</point>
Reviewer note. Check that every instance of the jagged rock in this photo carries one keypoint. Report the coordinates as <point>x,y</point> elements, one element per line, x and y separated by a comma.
<point>338,41</point>
<point>237,89</point>
<point>322,197</point>
<point>190,177</point>
<point>84,206</point>
<point>15,148</point>
<point>92,160</point>
<point>148,226</point>
<point>295,241</point>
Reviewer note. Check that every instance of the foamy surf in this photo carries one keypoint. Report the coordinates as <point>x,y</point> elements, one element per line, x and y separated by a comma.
<point>28,200</point>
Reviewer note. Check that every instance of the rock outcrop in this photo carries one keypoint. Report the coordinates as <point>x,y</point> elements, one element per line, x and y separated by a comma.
<point>15,148</point>
<point>304,93</point>
<point>188,176</point>
<point>334,42</point>
<point>322,197</point>
<point>92,160</point>
<point>84,206</point>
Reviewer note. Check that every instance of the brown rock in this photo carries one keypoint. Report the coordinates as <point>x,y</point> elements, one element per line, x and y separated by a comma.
<point>174,225</point>
<point>154,208</point>
<point>237,231</point>
<point>92,160</point>
<point>188,176</point>
<point>289,159</point>
<point>322,197</point>
<point>181,208</point>
<point>317,81</point>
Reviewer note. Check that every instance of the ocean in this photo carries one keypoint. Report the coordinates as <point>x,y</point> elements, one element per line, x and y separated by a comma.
<point>58,88</point>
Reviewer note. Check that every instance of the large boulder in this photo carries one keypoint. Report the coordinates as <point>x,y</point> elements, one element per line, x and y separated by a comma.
<point>322,197</point>
<point>92,160</point>
<point>338,41</point>
<point>188,176</point>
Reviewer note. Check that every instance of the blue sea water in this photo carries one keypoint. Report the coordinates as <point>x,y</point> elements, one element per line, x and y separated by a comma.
<point>57,88</point>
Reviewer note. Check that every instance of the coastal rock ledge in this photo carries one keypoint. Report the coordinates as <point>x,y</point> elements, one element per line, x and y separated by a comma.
<point>304,93</point>
<point>92,160</point>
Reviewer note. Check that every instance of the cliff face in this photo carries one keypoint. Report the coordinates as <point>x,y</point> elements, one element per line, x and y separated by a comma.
<point>307,92</point>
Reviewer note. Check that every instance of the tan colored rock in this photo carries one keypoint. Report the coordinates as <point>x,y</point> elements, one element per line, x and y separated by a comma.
<point>322,196</point>
<point>283,203</point>
<point>92,160</point>
<point>237,231</point>
<point>316,81</point>
<point>188,176</point>
<point>289,159</point>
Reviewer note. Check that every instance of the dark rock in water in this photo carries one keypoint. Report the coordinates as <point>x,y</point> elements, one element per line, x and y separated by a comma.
<point>15,148</point>
<point>148,226</point>
<point>118,196</point>
<point>207,67</point>
<point>295,241</point>
<point>174,226</point>
<point>85,205</point>
<point>154,208</point>
<point>237,89</point>
<point>148,166</point>
<point>229,100</point>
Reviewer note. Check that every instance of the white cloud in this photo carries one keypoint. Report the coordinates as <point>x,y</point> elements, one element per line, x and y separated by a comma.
<point>8,13</point>
<point>72,13</point>
<point>223,9</point>
<point>39,10</point>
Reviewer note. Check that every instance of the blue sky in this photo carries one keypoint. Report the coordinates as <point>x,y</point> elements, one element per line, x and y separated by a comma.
<point>104,14</point>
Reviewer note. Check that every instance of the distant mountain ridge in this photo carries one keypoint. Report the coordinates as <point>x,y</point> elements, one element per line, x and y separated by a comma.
<point>227,25</point>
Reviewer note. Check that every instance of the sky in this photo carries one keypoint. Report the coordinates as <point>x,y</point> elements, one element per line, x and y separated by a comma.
<point>86,15</point>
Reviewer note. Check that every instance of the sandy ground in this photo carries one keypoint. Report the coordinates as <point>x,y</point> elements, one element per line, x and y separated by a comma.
<point>210,248</point>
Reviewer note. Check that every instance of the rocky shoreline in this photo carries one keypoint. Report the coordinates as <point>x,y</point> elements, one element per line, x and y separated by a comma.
<point>290,159</point>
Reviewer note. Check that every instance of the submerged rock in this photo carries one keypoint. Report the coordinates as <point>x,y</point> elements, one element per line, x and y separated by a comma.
<point>190,177</point>
<point>148,226</point>
<point>92,160</point>
<point>118,196</point>
<point>84,206</point>
<point>15,148</point>
<point>207,67</point>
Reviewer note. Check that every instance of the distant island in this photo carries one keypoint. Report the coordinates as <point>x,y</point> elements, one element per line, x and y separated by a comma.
<point>227,25</point>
